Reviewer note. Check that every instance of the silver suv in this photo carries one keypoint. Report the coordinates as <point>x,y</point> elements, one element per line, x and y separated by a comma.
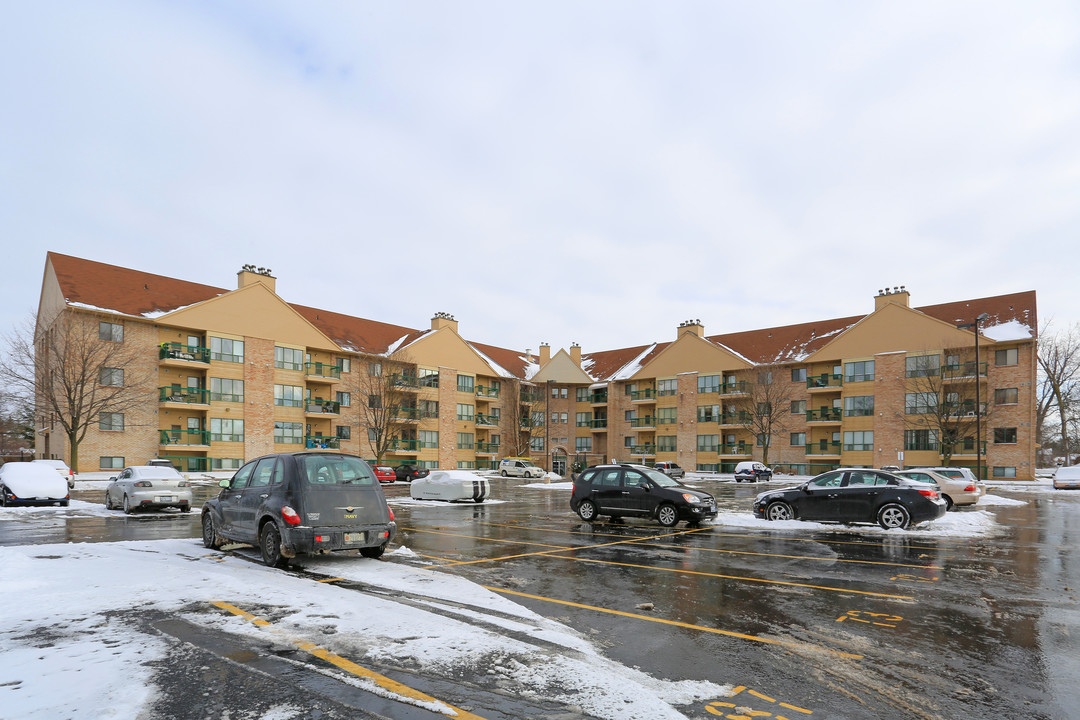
<point>520,467</point>
<point>670,469</point>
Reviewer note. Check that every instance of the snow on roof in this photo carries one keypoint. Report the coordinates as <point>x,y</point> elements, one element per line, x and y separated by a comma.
<point>394,346</point>
<point>1011,330</point>
<point>629,369</point>
<point>531,367</point>
<point>499,369</point>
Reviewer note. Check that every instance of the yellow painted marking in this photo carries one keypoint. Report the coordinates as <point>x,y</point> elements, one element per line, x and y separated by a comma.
<point>737,690</point>
<point>676,623</point>
<point>755,693</point>
<point>856,616</point>
<point>330,579</point>
<point>915,578</point>
<point>796,708</point>
<point>349,666</point>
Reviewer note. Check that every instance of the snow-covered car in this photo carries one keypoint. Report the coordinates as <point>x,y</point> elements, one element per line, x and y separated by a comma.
<point>520,467</point>
<point>31,483</point>
<point>450,485</point>
<point>1067,478</point>
<point>145,487</point>
<point>61,468</point>
<point>752,472</point>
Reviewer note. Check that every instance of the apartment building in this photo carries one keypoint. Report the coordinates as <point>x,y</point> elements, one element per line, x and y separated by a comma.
<point>224,375</point>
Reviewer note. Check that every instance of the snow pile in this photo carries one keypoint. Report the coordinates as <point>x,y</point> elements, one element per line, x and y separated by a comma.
<point>987,500</point>
<point>954,524</point>
<point>551,486</point>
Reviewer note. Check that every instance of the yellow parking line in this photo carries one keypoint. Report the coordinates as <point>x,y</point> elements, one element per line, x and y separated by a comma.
<point>350,667</point>
<point>324,580</point>
<point>689,626</point>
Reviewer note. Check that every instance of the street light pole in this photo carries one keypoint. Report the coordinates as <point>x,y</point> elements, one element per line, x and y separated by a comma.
<point>978,395</point>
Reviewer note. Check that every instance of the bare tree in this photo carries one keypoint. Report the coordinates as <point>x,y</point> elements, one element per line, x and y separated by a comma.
<point>385,391</point>
<point>73,372</point>
<point>941,401</point>
<point>763,405</point>
<point>520,407</point>
<point>1059,381</point>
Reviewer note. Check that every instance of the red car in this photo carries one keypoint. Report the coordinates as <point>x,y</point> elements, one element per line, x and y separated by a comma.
<point>384,474</point>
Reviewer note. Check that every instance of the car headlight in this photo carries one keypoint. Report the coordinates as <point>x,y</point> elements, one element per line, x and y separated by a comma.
<point>692,499</point>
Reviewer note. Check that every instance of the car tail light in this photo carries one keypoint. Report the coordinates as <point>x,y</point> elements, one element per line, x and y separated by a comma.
<point>290,515</point>
<point>391,513</point>
<point>143,483</point>
<point>322,538</point>
<point>183,483</point>
<point>384,534</point>
<point>969,488</point>
<point>932,494</point>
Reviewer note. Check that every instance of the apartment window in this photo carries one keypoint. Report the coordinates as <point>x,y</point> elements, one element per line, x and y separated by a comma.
<point>428,378</point>
<point>536,444</point>
<point>111,376</point>
<point>374,369</point>
<point>582,394</point>
<point>1006,396</point>
<point>629,415</point>
<point>1006,357</point>
<point>554,418</point>
<point>226,390</point>
<point>798,374</point>
<point>922,366</point>
<point>583,444</point>
<point>1004,472</point>
<point>466,383</point>
<point>428,438</point>
<point>226,350</point>
<point>798,407</point>
<point>765,377</point>
<point>538,418</point>
<point>1004,436</point>
<point>666,443</point>
<point>373,435</point>
<point>858,406</point>
<point>288,395</point>
<point>374,401</point>
<point>226,430</point>
<point>225,463</point>
<point>764,409</point>
<point>708,384</point>
<point>583,419</point>
<point>858,440</point>
<point>708,413</point>
<point>920,403</point>
<point>667,416</point>
<point>465,441</point>
<point>344,432</point>
<point>344,399</point>
<point>708,443</point>
<point>466,412</point>
<point>630,388</point>
<point>764,440</point>
<point>666,387</point>
<point>564,417</point>
<point>628,441</point>
<point>110,332</point>
<point>111,462</point>
<point>289,433</point>
<point>861,371</point>
<point>288,358</point>
<point>430,408</point>
<point>920,440</point>
<point>111,421</point>
<point>564,393</point>
<point>345,364</point>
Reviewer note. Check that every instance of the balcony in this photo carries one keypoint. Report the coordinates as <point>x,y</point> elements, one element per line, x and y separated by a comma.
<point>530,397</point>
<point>197,438</point>
<point>825,381</point>
<point>735,388</point>
<point>964,409</point>
<point>736,418</point>
<point>487,448</point>
<point>401,380</point>
<point>487,420</point>
<point>831,415</point>
<point>316,406</point>
<point>643,423</point>
<point>740,448</point>
<point>642,450</point>
<point>180,355</point>
<point>405,446</point>
<point>321,442</point>
<point>643,395</point>
<point>322,372</point>
<point>824,447</point>
<point>175,395</point>
<point>968,448</point>
<point>922,447</point>
<point>598,398</point>
<point>483,391</point>
<point>962,371</point>
<point>406,414</point>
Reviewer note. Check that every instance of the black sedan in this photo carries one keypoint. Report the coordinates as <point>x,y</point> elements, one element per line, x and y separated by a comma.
<point>311,502</point>
<point>635,490</point>
<point>854,496</point>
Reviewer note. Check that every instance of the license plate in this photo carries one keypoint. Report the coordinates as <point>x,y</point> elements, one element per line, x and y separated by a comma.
<point>166,498</point>
<point>354,537</point>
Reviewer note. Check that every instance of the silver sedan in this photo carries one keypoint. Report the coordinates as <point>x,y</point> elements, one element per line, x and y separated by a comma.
<point>148,487</point>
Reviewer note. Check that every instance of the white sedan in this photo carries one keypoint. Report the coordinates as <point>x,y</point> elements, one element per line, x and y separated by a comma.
<point>450,485</point>
<point>148,487</point>
<point>29,483</point>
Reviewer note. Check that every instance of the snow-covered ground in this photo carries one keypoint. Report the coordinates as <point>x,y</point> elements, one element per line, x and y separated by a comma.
<point>67,653</point>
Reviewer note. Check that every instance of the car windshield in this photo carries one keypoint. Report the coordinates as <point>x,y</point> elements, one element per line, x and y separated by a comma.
<point>322,470</point>
<point>658,477</point>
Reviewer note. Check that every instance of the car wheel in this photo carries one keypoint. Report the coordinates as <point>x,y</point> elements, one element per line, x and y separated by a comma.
<point>210,538</point>
<point>503,473</point>
<point>64,503</point>
<point>185,508</point>
<point>270,545</point>
<point>373,552</point>
<point>948,502</point>
<point>739,480</point>
<point>586,510</point>
<point>108,501</point>
<point>779,511</point>
<point>3,497</point>
<point>667,515</point>
<point>893,516</point>
<point>127,505</point>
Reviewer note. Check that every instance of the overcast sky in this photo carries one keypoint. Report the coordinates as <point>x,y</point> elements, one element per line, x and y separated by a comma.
<point>591,172</point>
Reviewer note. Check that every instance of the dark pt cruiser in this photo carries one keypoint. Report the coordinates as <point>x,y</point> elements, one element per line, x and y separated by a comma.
<point>301,503</point>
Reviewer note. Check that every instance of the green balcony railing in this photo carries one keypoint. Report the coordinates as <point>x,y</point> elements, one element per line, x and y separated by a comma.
<point>823,447</point>
<point>643,422</point>
<point>963,370</point>
<point>177,351</point>
<point>598,398</point>
<point>406,413</point>
<point>823,381</point>
<point>735,388</point>
<point>642,449</point>
<point>487,448</point>
<point>487,420</point>
<point>184,437</point>
<point>319,442</point>
<point>646,394</point>
<point>485,391</point>
<point>735,418</point>
<point>191,396</point>
<point>315,405</point>
<point>735,448</point>
<point>529,397</point>
<point>404,445</point>
<point>824,415</point>
<point>401,380</point>
<point>322,370</point>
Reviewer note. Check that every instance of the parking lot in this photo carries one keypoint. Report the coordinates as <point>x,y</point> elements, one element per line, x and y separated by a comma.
<point>971,617</point>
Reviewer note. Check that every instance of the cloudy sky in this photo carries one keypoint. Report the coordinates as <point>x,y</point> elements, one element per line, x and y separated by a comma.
<point>558,171</point>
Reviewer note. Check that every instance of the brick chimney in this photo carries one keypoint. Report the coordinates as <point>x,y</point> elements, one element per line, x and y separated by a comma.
<point>249,275</point>
<point>692,326</point>
<point>575,353</point>
<point>898,295</point>
<point>442,320</point>
<point>545,354</point>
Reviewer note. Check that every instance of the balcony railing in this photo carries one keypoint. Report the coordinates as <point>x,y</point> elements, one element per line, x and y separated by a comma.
<point>184,437</point>
<point>824,415</point>
<point>315,405</point>
<point>530,397</point>
<point>965,408</point>
<point>177,351</point>
<point>487,420</point>
<point>487,448</point>
<point>968,448</point>
<point>401,380</point>
<point>321,442</point>
<point>824,381</point>
<point>735,418</point>
<point>487,392</point>
<point>406,413</point>
<point>823,447</point>
<point>740,387</point>
<point>642,449</point>
<point>643,422</point>
<point>191,396</point>
<point>734,448</point>
<point>646,394</point>
<point>322,370</point>
<point>404,445</point>
<point>963,370</point>
<point>598,398</point>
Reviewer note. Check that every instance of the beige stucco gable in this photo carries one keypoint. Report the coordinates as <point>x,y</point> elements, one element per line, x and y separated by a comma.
<point>691,353</point>
<point>445,348</point>
<point>562,369</point>
<point>252,311</point>
<point>894,328</point>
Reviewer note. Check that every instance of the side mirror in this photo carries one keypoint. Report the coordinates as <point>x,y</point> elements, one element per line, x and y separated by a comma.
<point>808,488</point>
<point>113,478</point>
<point>223,483</point>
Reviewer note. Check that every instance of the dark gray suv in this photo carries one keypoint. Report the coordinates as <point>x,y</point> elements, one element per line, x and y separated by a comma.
<point>636,490</point>
<point>310,502</point>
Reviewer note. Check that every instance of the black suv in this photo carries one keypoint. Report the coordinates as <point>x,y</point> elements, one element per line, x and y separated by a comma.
<point>309,502</point>
<point>619,490</point>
